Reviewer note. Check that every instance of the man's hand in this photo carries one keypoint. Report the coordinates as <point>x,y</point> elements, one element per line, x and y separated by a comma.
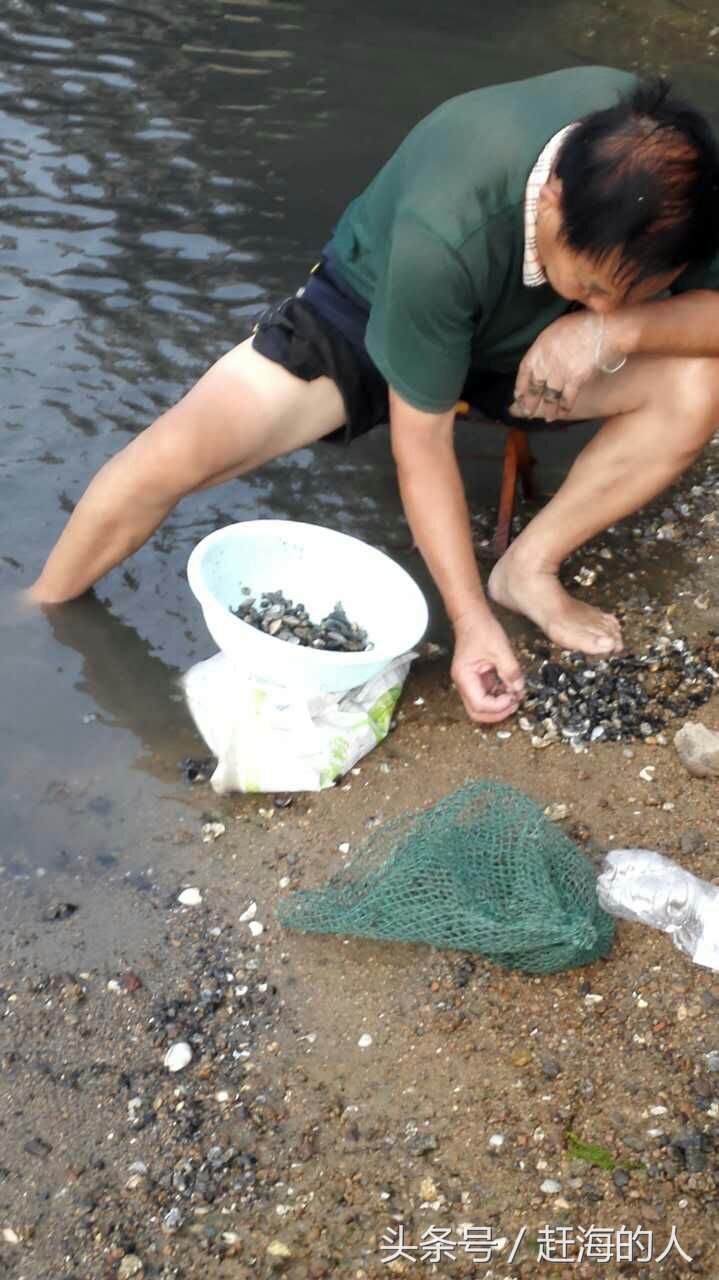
<point>557,366</point>
<point>485,671</point>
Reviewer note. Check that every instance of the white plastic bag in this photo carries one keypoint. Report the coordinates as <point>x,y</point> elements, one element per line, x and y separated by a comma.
<point>267,738</point>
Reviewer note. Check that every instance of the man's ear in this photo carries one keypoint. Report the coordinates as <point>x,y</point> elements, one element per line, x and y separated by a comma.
<point>550,195</point>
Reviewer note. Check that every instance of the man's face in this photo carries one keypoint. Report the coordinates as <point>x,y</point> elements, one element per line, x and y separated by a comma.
<point>577,277</point>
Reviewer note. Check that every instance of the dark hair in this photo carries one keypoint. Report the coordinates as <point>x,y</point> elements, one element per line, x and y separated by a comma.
<point>642,177</point>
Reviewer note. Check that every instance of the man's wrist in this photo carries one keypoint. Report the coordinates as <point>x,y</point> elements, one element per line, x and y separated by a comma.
<point>621,335</point>
<point>469,611</point>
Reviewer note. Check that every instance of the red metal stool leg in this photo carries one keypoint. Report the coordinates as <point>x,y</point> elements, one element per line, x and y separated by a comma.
<point>503,531</point>
<point>525,463</point>
<point>518,463</point>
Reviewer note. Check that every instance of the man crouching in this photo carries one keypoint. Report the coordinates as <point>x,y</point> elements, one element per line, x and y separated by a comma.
<point>549,248</point>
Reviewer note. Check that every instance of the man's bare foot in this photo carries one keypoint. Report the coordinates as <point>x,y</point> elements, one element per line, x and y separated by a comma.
<point>539,595</point>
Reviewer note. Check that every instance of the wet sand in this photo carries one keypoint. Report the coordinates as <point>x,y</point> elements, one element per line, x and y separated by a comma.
<point>518,1105</point>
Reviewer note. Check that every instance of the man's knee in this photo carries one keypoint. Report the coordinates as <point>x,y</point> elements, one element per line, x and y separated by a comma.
<point>690,394</point>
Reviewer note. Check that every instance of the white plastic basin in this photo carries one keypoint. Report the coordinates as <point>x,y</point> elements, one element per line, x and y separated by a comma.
<point>316,567</point>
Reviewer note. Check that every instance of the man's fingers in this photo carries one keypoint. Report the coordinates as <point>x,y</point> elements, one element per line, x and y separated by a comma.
<point>527,391</point>
<point>486,695</point>
<point>512,679</point>
<point>489,709</point>
<point>502,673</point>
<point>569,398</point>
<point>520,385</point>
<point>552,404</point>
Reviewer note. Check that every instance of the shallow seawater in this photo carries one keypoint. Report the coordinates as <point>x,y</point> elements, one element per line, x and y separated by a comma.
<point>166,172</point>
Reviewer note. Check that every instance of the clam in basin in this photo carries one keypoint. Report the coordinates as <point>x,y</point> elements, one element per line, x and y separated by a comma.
<point>317,567</point>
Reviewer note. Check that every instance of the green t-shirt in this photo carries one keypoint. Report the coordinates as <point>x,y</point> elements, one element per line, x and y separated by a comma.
<point>435,243</point>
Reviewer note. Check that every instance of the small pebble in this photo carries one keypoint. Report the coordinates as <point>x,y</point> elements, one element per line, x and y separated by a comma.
<point>249,914</point>
<point>256,928</point>
<point>130,1266</point>
<point>278,1250</point>
<point>420,1144</point>
<point>178,1056</point>
<point>555,812</point>
<point>190,898</point>
<point>60,910</point>
<point>551,1187</point>
<point>38,1147</point>
<point>364,1041</point>
<point>428,1190</point>
<point>212,831</point>
<point>172,1222</point>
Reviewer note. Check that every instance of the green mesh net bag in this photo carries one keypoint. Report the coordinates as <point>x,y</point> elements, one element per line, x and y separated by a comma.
<point>481,871</point>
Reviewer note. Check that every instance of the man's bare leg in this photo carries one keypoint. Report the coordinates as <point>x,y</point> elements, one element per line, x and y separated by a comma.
<point>243,412</point>
<point>660,412</point>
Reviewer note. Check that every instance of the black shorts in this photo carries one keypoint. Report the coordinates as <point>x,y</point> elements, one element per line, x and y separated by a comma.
<point>320,331</point>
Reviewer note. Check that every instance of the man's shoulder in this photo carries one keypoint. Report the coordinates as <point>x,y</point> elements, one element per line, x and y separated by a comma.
<point>464,168</point>
<point>595,84</point>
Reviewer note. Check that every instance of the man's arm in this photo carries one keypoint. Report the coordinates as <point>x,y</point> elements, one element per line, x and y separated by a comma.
<point>567,353</point>
<point>434,501</point>
<point>684,325</point>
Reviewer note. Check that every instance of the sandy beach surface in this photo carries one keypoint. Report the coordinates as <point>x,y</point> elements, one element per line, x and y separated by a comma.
<point>360,1109</point>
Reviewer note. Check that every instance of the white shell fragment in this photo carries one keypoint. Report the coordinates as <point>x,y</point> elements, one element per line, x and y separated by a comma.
<point>647,773</point>
<point>364,1041</point>
<point>212,831</point>
<point>344,847</point>
<point>555,812</point>
<point>249,914</point>
<point>178,1056</point>
<point>190,898</point>
<point>256,928</point>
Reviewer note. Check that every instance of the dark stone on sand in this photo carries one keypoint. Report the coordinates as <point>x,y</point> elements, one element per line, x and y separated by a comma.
<point>198,770</point>
<point>550,1068</point>
<point>634,1144</point>
<point>37,1147</point>
<point>420,1144</point>
<point>691,841</point>
<point>464,972</point>
<point>60,910</point>
<point>692,1148</point>
<point>283,799</point>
